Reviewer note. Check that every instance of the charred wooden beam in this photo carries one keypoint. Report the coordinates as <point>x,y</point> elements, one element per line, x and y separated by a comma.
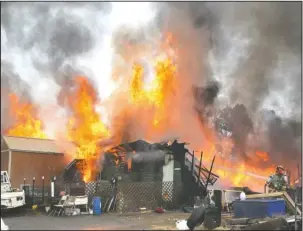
<point>207,171</point>
<point>211,168</point>
<point>193,163</point>
<point>200,166</point>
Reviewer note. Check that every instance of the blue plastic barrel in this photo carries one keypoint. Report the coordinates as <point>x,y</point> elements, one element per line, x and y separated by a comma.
<point>96,205</point>
<point>258,208</point>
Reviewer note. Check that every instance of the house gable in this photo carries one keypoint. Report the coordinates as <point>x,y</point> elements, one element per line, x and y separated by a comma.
<point>3,144</point>
<point>31,145</point>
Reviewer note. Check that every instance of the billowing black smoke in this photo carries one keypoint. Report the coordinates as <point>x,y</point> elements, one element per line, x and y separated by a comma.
<point>281,137</point>
<point>284,138</point>
<point>237,122</point>
<point>205,97</point>
<point>49,36</point>
<point>55,35</point>
<point>254,101</point>
<point>242,60</point>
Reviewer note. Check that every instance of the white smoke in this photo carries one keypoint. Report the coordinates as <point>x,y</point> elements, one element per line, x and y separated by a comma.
<point>40,39</point>
<point>255,58</point>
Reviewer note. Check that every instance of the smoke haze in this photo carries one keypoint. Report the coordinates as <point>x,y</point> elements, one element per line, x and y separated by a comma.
<point>237,61</point>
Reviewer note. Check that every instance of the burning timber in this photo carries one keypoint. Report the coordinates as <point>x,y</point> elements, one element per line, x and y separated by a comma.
<point>144,165</point>
<point>141,161</point>
<point>127,156</point>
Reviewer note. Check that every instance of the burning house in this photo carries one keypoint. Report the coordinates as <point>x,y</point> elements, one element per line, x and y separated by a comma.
<point>154,87</point>
<point>162,171</point>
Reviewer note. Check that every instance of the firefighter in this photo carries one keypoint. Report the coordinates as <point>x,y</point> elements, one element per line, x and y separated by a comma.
<point>278,182</point>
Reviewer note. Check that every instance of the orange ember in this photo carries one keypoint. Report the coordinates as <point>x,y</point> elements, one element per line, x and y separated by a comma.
<point>129,161</point>
<point>129,164</point>
<point>85,127</point>
<point>25,121</point>
<point>116,160</point>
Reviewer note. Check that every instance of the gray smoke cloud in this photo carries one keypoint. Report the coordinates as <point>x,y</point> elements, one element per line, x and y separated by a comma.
<point>271,59</point>
<point>39,43</point>
<point>51,33</point>
<point>9,81</point>
<point>267,78</point>
<point>245,54</point>
<point>242,62</point>
<point>253,51</point>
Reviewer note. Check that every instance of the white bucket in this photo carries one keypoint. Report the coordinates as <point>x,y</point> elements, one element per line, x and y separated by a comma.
<point>182,225</point>
<point>242,196</point>
<point>3,225</point>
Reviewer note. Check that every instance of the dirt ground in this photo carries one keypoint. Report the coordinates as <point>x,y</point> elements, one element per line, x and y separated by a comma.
<point>135,221</point>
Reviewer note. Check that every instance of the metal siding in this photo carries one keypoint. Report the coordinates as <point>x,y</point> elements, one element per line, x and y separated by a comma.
<point>36,145</point>
<point>28,165</point>
<point>4,161</point>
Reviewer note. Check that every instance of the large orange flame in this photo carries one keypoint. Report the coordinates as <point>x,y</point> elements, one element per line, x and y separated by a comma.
<point>159,90</point>
<point>85,127</point>
<point>152,106</point>
<point>151,101</point>
<point>241,173</point>
<point>25,119</point>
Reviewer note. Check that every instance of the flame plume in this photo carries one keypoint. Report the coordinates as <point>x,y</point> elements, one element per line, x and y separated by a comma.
<point>85,127</point>
<point>25,120</point>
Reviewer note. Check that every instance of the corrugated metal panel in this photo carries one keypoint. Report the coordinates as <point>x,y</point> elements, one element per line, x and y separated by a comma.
<point>32,145</point>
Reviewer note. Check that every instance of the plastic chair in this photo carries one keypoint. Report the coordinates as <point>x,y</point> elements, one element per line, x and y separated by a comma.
<point>81,201</point>
<point>73,202</point>
<point>59,208</point>
<point>69,204</point>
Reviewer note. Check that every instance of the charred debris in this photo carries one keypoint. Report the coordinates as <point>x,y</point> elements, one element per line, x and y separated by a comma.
<point>142,161</point>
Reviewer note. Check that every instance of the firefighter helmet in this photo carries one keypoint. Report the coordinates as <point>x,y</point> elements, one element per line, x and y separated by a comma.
<point>280,167</point>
